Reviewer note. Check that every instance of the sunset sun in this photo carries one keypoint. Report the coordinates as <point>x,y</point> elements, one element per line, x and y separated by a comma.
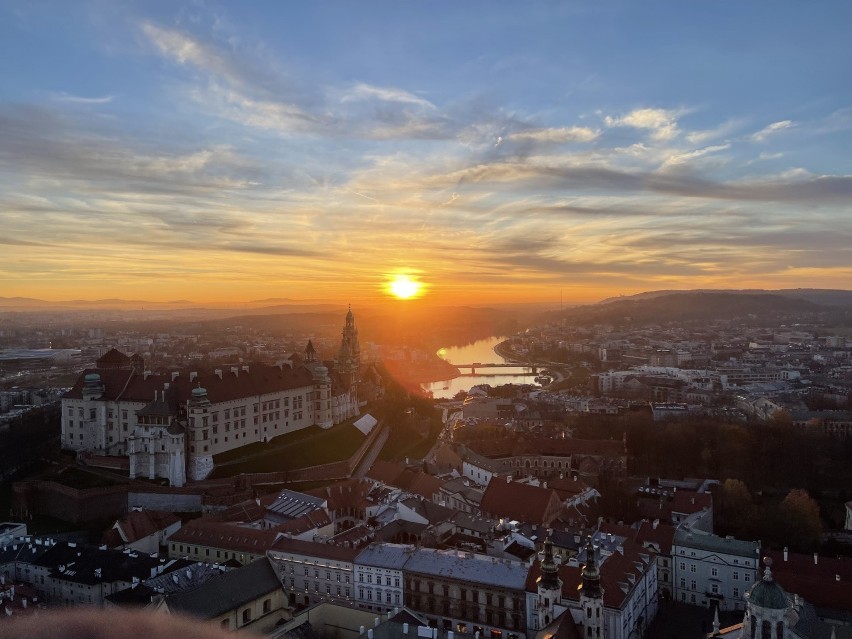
<point>403,287</point>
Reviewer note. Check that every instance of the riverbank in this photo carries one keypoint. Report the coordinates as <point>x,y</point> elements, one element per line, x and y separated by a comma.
<point>505,351</point>
<point>413,374</point>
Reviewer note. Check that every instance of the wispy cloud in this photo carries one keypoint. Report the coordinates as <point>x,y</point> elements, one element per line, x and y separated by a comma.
<point>772,129</point>
<point>662,123</point>
<point>77,99</point>
<point>557,135</point>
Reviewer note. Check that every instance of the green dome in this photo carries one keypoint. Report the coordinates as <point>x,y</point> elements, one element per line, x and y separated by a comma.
<point>92,377</point>
<point>199,392</point>
<point>766,593</point>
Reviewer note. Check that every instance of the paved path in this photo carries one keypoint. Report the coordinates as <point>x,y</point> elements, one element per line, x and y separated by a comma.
<point>375,449</point>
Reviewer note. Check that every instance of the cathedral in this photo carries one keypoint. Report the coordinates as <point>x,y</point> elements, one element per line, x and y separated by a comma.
<point>170,424</point>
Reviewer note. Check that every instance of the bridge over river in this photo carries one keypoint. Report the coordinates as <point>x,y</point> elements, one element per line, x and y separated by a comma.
<point>479,365</point>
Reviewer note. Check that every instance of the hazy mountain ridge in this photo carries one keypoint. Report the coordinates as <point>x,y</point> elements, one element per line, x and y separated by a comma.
<point>822,296</point>
<point>679,306</point>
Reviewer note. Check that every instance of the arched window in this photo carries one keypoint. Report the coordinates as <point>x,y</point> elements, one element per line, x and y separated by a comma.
<point>779,630</point>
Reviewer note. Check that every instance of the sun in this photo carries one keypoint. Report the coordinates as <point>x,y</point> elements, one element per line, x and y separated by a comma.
<point>404,288</point>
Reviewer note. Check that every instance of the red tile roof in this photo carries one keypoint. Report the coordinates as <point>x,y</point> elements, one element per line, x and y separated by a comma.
<point>688,501</point>
<point>386,472</point>
<point>260,379</point>
<point>660,537</point>
<point>226,536</point>
<point>519,501</point>
<point>825,584</point>
<point>616,572</point>
<point>138,524</point>
<point>315,549</point>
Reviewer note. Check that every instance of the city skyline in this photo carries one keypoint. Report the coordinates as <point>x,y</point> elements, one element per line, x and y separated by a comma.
<point>492,152</point>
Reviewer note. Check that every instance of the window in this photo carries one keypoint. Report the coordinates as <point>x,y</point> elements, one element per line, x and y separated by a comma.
<point>714,572</point>
<point>736,592</point>
<point>692,568</point>
<point>267,606</point>
<point>714,588</point>
<point>683,565</point>
<point>692,585</point>
<point>246,616</point>
<point>736,575</point>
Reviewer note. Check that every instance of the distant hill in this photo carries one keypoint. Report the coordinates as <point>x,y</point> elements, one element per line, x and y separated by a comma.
<point>685,306</point>
<point>823,296</point>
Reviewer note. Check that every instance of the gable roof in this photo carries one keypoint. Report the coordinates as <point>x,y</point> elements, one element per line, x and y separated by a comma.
<point>138,524</point>
<point>215,534</point>
<point>519,501</point>
<point>259,379</point>
<point>227,591</point>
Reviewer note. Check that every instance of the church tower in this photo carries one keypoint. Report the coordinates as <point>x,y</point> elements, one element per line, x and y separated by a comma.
<point>349,359</point>
<point>549,586</point>
<point>200,461</point>
<point>591,595</point>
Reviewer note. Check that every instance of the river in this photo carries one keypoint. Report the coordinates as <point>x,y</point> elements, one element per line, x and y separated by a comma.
<point>479,351</point>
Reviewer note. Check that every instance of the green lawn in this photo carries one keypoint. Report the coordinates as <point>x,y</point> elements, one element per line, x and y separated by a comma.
<point>301,449</point>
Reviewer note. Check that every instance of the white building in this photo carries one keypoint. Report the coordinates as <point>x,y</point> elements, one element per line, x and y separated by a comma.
<point>709,568</point>
<point>379,580</point>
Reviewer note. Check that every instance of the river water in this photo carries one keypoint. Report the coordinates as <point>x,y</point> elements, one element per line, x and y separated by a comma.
<point>480,351</point>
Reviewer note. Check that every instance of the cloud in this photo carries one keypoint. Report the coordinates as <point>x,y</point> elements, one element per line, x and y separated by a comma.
<point>364,91</point>
<point>683,158</point>
<point>772,129</point>
<point>556,135</point>
<point>76,99</point>
<point>662,123</point>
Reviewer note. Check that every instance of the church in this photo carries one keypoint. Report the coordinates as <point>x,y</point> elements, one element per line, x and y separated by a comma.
<point>170,424</point>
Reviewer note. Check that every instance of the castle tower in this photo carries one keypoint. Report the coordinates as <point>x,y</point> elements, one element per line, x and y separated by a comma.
<point>199,459</point>
<point>349,358</point>
<point>322,404</point>
<point>591,595</point>
<point>549,586</point>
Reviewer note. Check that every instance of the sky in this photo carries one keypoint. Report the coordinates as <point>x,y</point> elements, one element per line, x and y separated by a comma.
<point>494,151</point>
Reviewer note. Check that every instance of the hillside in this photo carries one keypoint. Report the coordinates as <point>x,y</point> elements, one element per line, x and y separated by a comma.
<point>688,306</point>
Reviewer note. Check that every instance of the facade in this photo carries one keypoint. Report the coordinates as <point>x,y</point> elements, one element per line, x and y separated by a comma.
<point>218,542</point>
<point>312,572</point>
<point>171,424</point>
<point>709,569</point>
<point>467,591</point>
<point>379,579</point>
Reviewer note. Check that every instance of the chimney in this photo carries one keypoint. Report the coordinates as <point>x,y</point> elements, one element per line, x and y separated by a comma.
<point>405,628</point>
<point>235,370</point>
<point>193,375</point>
<point>246,369</point>
<point>655,524</point>
<point>146,375</point>
<point>361,631</point>
<point>376,621</point>
<point>508,479</point>
<point>370,634</point>
<point>693,500</point>
<point>24,601</point>
<point>218,373</point>
<point>816,559</point>
<point>785,553</point>
<point>175,375</point>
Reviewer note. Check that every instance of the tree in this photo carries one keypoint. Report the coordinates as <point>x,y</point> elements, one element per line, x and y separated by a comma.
<point>735,509</point>
<point>800,520</point>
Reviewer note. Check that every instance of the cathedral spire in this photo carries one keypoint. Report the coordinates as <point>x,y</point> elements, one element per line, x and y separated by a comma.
<point>591,586</point>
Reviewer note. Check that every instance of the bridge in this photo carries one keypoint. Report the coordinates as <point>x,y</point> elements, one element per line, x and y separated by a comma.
<point>476,365</point>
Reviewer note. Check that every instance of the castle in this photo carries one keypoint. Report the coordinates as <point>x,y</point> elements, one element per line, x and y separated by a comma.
<point>170,424</point>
